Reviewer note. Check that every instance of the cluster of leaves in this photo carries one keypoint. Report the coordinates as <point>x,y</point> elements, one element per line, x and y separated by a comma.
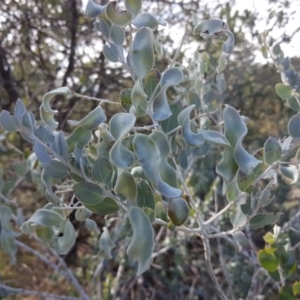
<point>109,165</point>
<point>279,261</point>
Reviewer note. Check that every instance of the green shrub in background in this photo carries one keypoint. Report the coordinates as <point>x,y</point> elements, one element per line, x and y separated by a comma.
<point>141,173</point>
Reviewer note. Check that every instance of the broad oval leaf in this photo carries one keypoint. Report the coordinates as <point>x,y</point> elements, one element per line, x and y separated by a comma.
<point>142,52</point>
<point>8,122</point>
<point>92,225</point>
<point>178,211</point>
<point>117,17</point>
<point>145,197</point>
<point>283,91</point>
<point>93,10</point>
<point>294,126</point>
<point>210,28</point>
<point>120,124</point>
<point>147,20</point>
<point>267,260</point>
<point>56,169</point>
<point>102,170</point>
<point>107,206</point>
<point>190,138</point>
<point>92,120</point>
<point>134,6</point>
<point>261,220</point>
<point>8,244</point>
<point>111,52</point>
<point>19,110</point>
<point>79,136</point>
<point>161,107</point>
<point>41,153</point>
<point>142,243</point>
<point>120,156</point>
<point>126,186</point>
<point>88,193</point>
<point>46,111</point>
<point>103,27</point>
<point>106,244</point>
<point>229,43</point>
<point>272,151</point>
<point>82,214</point>
<point>117,35</point>
<point>65,242</point>
<point>44,217</point>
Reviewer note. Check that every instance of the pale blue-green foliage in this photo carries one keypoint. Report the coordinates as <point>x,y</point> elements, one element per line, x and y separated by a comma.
<point>114,165</point>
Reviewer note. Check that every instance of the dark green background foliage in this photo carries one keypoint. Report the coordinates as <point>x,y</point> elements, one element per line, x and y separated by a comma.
<point>48,44</point>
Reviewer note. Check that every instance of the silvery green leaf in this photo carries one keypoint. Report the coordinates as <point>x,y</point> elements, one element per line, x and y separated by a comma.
<point>107,206</point>
<point>283,91</point>
<point>290,172</point>
<point>126,186</point>
<point>105,134</point>
<point>65,242</point>
<point>119,125</point>
<point>117,35</point>
<point>102,170</point>
<point>133,6</point>
<point>293,103</point>
<point>92,225</point>
<point>8,122</point>
<point>261,220</point>
<point>106,244</point>
<point>190,138</point>
<point>215,137</point>
<point>82,214</point>
<point>210,28</point>
<point>294,126</point>
<point>111,52</point>
<point>51,197</point>
<point>62,145</point>
<point>93,10</point>
<point>172,122</point>
<point>142,243</point>
<point>103,27</point>
<point>150,82</point>
<point>5,215</point>
<point>46,235</point>
<point>222,63</point>
<point>8,244</point>
<point>238,218</point>
<point>221,83</point>
<point>142,52</point>
<point>244,180</point>
<point>43,217</point>
<point>88,193</point>
<point>150,159</point>
<point>41,153</point>
<point>45,134</point>
<point>235,130</point>
<point>227,167</point>
<point>92,120</point>
<point>147,20</point>
<point>120,156</point>
<point>139,98</point>
<point>229,43</point>
<point>56,169</point>
<point>161,108</point>
<point>79,136</point>
<point>19,110</point>
<point>145,197</point>
<point>272,151</point>
<point>242,242</point>
<point>117,17</point>
<point>46,111</point>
